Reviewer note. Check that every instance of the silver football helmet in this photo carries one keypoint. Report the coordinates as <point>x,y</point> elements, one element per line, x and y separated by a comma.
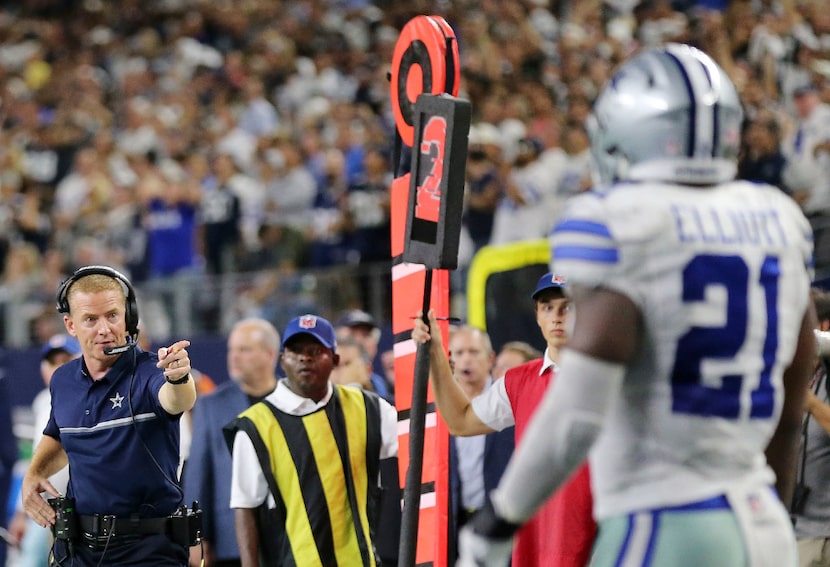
<point>668,114</point>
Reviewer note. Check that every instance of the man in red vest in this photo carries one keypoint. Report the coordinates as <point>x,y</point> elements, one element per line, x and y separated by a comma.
<point>562,532</point>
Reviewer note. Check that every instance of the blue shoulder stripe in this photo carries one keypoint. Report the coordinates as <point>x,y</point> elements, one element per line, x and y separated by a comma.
<point>589,253</point>
<point>595,244</point>
<point>583,226</point>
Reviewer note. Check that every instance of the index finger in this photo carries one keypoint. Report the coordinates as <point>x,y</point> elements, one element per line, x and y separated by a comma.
<point>177,346</point>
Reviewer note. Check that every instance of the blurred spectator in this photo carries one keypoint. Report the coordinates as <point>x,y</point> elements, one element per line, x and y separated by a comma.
<point>35,542</point>
<point>579,107</point>
<point>90,89</point>
<point>476,462</point>
<point>808,151</point>
<point>52,273</point>
<point>811,499</point>
<point>354,367</point>
<point>807,172</point>
<point>484,183</point>
<point>21,271</point>
<point>513,354</point>
<point>229,139</point>
<point>659,22</point>
<point>576,174</point>
<point>361,327</point>
<point>259,118</point>
<point>46,323</point>
<point>528,208</point>
<point>762,160</point>
<point>21,276</point>
<point>32,219</point>
<point>81,197</point>
<point>290,187</point>
<point>367,207</point>
<point>139,135</point>
<point>221,219</point>
<point>544,118</point>
<point>252,197</point>
<point>170,219</point>
<point>387,361</point>
<point>126,236</point>
<point>367,219</point>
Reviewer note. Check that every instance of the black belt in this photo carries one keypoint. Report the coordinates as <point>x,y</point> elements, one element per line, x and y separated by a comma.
<point>101,527</point>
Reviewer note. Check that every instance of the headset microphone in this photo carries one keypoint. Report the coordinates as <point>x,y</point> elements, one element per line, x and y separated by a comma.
<point>121,349</point>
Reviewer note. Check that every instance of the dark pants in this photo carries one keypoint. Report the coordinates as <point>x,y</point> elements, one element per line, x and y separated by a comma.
<point>127,551</point>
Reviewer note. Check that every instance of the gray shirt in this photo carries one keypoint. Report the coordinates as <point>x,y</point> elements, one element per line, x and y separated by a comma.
<point>815,520</point>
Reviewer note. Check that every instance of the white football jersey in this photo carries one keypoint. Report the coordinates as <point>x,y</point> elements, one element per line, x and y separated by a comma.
<point>721,276</point>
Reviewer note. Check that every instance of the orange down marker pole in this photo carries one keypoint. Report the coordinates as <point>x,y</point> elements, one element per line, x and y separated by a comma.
<point>426,219</point>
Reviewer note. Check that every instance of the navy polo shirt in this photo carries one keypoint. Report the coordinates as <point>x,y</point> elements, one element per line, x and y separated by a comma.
<point>108,444</point>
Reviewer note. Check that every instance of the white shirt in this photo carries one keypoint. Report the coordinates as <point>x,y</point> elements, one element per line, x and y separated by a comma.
<point>493,405</point>
<point>251,195</point>
<point>71,194</point>
<point>249,488</point>
<point>538,182</point>
<point>290,198</point>
<point>805,171</point>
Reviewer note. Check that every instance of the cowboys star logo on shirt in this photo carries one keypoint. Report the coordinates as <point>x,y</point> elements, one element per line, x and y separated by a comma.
<point>116,400</point>
<point>308,322</point>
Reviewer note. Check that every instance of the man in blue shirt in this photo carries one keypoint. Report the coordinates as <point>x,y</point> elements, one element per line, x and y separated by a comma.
<point>115,420</point>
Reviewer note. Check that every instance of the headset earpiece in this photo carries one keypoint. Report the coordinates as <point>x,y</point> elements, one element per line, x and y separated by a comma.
<point>131,305</point>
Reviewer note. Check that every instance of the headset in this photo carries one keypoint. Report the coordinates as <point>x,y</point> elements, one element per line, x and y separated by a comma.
<point>186,523</point>
<point>131,307</point>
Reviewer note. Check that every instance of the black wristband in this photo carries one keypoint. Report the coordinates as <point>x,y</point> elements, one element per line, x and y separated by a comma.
<point>487,523</point>
<point>181,380</point>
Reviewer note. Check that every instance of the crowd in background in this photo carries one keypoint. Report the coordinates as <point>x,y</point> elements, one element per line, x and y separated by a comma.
<point>196,140</point>
<point>192,138</point>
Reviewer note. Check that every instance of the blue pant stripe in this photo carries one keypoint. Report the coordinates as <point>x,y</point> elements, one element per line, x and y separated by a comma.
<point>626,541</point>
<point>652,539</point>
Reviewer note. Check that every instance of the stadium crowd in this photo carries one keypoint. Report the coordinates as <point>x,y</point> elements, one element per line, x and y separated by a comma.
<point>191,141</point>
<point>181,139</point>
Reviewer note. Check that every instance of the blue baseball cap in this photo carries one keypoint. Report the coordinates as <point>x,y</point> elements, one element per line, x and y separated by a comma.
<point>66,343</point>
<point>549,281</point>
<point>313,325</point>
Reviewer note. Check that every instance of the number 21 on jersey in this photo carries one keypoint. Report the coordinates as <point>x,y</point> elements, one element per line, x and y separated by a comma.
<point>690,395</point>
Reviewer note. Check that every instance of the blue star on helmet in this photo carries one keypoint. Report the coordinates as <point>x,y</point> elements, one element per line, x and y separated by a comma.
<point>116,400</point>
<point>616,77</point>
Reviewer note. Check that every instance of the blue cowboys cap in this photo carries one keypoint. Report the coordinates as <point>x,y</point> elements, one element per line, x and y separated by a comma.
<point>55,343</point>
<point>313,325</point>
<point>549,281</point>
